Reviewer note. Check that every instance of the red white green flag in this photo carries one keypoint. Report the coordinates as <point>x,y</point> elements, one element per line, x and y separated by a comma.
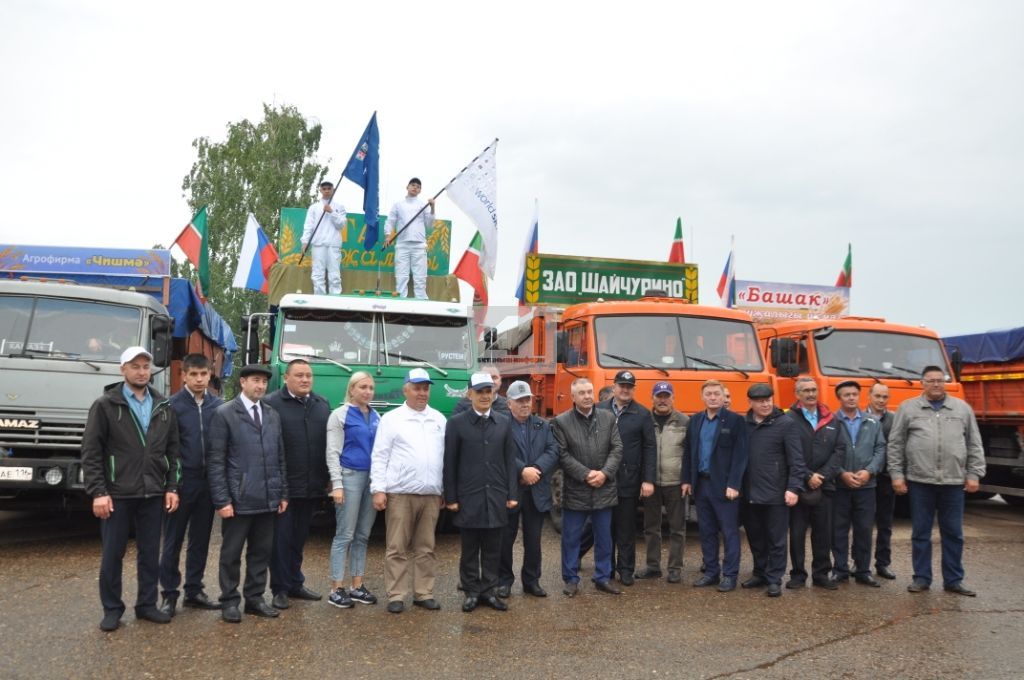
<point>845,279</point>
<point>469,270</point>
<point>194,243</point>
<point>677,254</point>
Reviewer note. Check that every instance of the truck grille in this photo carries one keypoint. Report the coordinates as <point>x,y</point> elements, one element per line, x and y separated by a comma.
<point>51,433</point>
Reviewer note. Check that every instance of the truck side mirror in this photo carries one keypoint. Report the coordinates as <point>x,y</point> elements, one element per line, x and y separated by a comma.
<point>561,344</point>
<point>784,357</point>
<point>251,336</point>
<point>160,340</point>
<point>957,359</point>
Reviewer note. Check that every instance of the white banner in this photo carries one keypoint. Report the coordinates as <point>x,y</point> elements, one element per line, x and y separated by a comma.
<point>475,192</point>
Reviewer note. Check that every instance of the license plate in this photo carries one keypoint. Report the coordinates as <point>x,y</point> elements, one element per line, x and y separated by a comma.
<point>15,474</point>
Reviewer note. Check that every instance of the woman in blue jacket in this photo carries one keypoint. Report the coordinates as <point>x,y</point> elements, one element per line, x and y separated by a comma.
<point>350,433</point>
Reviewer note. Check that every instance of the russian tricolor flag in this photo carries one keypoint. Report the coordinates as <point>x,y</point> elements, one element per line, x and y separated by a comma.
<point>529,248</point>
<point>727,284</point>
<point>255,259</point>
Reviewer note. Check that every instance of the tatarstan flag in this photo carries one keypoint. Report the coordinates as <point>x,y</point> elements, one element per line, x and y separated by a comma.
<point>469,270</point>
<point>845,279</point>
<point>194,243</point>
<point>677,253</point>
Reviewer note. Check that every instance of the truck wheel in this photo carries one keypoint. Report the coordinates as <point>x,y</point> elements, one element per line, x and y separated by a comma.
<point>556,500</point>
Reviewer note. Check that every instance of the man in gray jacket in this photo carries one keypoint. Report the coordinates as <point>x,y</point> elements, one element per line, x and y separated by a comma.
<point>854,502</point>
<point>935,454</point>
<point>590,452</point>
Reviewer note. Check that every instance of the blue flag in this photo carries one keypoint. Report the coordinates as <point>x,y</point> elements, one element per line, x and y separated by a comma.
<point>364,169</point>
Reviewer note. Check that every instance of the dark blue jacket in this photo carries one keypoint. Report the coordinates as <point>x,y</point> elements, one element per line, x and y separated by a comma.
<point>776,461</point>
<point>304,428</point>
<point>480,469</point>
<point>639,447</point>
<point>193,426</point>
<point>728,455</point>
<point>245,464</point>
<point>542,453</point>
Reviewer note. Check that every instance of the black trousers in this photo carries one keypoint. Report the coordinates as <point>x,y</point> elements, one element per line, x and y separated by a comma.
<point>194,517</point>
<point>533,524</point>
<point>885,505</point>
<point>147,514</point>
<point>852,509</point>
<point>767,528</point>
<point>256,534</point>
<point>480,560</point>
<point>819,519</point>
<point>291,529</point>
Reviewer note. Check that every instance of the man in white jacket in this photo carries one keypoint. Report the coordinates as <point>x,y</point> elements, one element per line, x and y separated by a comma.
<point>411,249</point>
<point>326,242</point>
<point>406,481</point>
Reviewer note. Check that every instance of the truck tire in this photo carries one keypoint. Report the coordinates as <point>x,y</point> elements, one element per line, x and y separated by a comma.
<point>556,501</point>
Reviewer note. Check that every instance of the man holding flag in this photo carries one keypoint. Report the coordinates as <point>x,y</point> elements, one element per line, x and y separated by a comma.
<point>325,221</point>
<point>407,224</point>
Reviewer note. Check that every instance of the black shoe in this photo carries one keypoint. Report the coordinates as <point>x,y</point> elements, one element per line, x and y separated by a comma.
<point>626,579</point>
<point>571,589</point>
<point>728,584</point>
<point>200,601</point>
<point>867,580</point>
<point>396,607</point>
<point>826,583</point>
<point>261,608</point>
<point>533,589</point>
<point>840,578</point>
<point>280,601</point>
<point>918,586</point>
<point>469,604</point>
<point>647,572</point>
<point>304,593</point>
<point>151,613</point>
<point>960,589</point>
<point>169,605</point>
<point>885,572</point>
<point>503,591</point>
<point>795,583</point>
<point>673,576</point>
<point>774,590</point>
<point>231,614</point>
<point>754,582</point>
<point>492,602</point>
<point>111,621</point>
<point>607,587</point>
<point>705,581</point>
<point>430,604</point>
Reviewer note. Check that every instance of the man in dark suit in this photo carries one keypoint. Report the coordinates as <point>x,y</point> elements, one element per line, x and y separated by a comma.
<point>714,460</point>
<point>480,487</point>
<point>885,498</point>
<point>536,459</point>
<point>248,484</point>
<point>499,404</point>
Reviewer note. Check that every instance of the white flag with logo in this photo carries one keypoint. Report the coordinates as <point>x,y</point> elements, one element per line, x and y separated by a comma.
<point>475,192</point>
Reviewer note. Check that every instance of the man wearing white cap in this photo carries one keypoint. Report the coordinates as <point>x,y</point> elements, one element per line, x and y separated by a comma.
<point>480,488</point>
<point>131,471</point>
<point>405,478</point>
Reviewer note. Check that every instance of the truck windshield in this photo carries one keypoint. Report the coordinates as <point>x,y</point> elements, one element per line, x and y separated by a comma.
<point>858,353</point>
<point>667,342</point>
<point>359,338</point>
<point>66,329</point>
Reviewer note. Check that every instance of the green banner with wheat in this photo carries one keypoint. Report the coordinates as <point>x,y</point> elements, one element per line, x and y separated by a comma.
<point>563,280</point>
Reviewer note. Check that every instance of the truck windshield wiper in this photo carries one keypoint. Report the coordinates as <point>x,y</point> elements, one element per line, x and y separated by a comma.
<point>314,357</point>
<point>724,367</point>
<point>634,362</point>
<point>905,370</point>
<point>58,354</point>
<point>408,360</point>
<point>861,371</point>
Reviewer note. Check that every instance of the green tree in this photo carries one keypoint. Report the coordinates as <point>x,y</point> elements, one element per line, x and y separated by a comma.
<point>260,168</point>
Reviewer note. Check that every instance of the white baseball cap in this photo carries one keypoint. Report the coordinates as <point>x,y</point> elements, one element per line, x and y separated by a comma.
<point>479,380</point>
<point>133,352</point>
<point>418,375</point>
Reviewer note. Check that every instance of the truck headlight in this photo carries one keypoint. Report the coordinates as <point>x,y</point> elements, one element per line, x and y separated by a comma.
<point>54,476</point>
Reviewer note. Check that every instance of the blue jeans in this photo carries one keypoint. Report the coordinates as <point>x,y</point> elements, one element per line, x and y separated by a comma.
<point>354,520</point>
<point>947,501</point>
<point>572,534</point>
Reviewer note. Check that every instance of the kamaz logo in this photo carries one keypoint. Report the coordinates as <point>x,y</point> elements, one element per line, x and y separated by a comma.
<point>19,424</point>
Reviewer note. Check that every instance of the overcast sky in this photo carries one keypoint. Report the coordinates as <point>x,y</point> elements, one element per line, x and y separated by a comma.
<point>796,126</point>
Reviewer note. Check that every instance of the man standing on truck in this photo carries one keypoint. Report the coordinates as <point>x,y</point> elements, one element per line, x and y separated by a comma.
<point>412,219</point>
<point>131,470</point>
<point>322,232</point>
<point>635,478</point>
<point>304,416</point>
<point>935,454</point>
<point>885,497</point>
<point>194,408</point>
<point>854,502</point>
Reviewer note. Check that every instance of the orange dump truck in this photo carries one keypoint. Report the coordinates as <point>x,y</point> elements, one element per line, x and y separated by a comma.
<point>991,370</point>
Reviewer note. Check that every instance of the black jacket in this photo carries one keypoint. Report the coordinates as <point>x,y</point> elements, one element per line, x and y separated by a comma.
<point>245,464</point>
<point>480,469</point>
<point>728,455</point>
<point>824,448</point>
<point>541,452</point>
<point>586,444</point>
<point>776,461</point>
<point>193,425</point>
<point>121,461</point>
<point>639,447</point>
<point>304,429</point>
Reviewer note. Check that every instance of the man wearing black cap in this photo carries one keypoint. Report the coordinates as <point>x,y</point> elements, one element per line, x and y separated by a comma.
<point>409,217</point>
<point>775,475</point>
<point>325,222</point>
<point>669,432</point>
<point>249,486</point>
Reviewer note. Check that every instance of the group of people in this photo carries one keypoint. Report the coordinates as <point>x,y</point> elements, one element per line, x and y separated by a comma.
<point>264,462</point>
<point>406,227</point>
